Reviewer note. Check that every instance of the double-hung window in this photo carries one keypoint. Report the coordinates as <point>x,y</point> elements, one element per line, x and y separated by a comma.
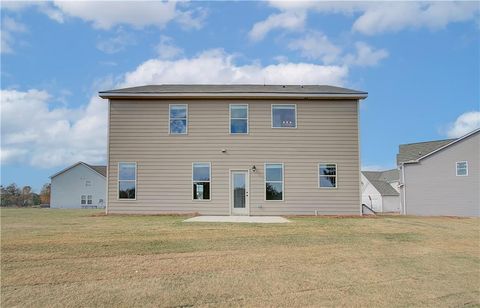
<point>178,115</point>
<point>327,175</point>
<point>201,178</point>
<point>238,119</point>
<point>83,199</point>
<point>274,182</point>
<point>284,116</point>
<point>127,180</point>
<point>462,168</point>
<point>89,199</point>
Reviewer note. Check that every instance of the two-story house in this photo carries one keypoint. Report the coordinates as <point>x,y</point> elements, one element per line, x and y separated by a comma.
<point>234,150</point>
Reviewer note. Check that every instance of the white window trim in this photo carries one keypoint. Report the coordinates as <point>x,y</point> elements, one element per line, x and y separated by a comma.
<point>466,167</point>
<point>83,199</point>
<point>336,175</point>
<point>90,199</point>
<point>265,181</point>
<point>210,181</point>
<point>118,181</point>
<point>169,119</point>
<point>230,119</point>
<point>296,116</point>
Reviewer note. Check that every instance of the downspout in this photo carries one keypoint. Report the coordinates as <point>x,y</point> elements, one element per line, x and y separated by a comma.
<point>404,200</point>
<point>108,159</point>
<point>359,159</point>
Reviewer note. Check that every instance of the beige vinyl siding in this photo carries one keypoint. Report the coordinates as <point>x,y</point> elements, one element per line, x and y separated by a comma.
<point>327,131</point>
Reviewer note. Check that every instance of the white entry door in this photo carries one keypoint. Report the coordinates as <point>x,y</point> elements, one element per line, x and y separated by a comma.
<point>239,190</point>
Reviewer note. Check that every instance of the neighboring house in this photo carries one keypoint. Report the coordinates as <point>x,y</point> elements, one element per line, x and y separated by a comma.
<point>79,186</point>
<point>234,150</point>
<point>380,190</point>
<point>441,177</point>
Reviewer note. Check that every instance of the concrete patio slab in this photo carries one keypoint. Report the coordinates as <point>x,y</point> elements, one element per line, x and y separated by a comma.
<point>241,219</point>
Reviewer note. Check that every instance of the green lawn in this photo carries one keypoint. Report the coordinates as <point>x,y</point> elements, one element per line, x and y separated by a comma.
<point>82,258</point>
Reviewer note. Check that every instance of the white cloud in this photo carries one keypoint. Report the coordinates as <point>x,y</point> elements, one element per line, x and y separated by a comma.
<point>464,124</point>
<point>216,66</point>
<point>387,17</point>
<point>108,14</point>
<point>381,17</point>
<point>116,43</point>
<point>9,28</point>
<point>286,20</point>
<point>40,135</point>
<point>316,45</point>
<point>365,55</point>
<point>37,133</point>
<point>166,49</point>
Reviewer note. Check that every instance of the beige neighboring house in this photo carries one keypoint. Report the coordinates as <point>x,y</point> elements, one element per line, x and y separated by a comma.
<point>441,178</point>
<point>380,190</point>
<point>234,150</point>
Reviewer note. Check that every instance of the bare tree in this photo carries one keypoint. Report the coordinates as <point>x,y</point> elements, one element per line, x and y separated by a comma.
<point>45,194</point>
<point>26,198</point>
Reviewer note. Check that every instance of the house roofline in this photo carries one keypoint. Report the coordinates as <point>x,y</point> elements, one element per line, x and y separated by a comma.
<point>74,165</point>
<point>217,95</point>
<point>415,161</point>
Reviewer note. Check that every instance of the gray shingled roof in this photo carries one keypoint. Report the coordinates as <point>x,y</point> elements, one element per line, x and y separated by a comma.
<point>100,169</point>
<point>381,179</point>
<point>413,151</point>
<point>177,89</point>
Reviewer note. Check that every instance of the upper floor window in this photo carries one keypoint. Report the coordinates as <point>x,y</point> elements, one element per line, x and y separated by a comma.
<point>127,180</point>
<point>284,116</point>
<point>201,175</point>
<point>274,182</point>
<point>238,119</point>
<point>462,168</point>
<point>178,119</point>
<point>327,175</point>
<point>88,183</point>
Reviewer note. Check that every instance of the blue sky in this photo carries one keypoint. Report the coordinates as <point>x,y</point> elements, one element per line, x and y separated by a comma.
<point>418,61</point>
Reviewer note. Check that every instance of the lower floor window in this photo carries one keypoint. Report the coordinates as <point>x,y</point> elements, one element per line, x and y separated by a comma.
<point>201,173</point>
<point>83,199</point>
<point>327,175</point>
<point>89,199</point>
<point>127,180</point>
<point>274,182</point>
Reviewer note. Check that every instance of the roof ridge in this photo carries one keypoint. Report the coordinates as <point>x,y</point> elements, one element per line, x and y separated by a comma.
<point>439,140</point>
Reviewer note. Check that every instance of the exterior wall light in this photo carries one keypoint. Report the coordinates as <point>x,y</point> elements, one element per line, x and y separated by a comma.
<point>254,169</point>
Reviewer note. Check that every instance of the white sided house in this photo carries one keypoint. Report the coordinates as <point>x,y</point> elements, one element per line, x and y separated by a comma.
<point>380,190</point>
<point>441,178</point>
<point>79,186</point>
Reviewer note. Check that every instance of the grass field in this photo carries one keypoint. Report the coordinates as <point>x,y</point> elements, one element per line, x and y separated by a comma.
<point>82,258</point>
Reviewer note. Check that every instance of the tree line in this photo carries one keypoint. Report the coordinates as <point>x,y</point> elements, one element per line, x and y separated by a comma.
<point>13,195</point>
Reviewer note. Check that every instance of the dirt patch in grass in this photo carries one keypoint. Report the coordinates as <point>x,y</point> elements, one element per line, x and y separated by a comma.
<point>83,258</point>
